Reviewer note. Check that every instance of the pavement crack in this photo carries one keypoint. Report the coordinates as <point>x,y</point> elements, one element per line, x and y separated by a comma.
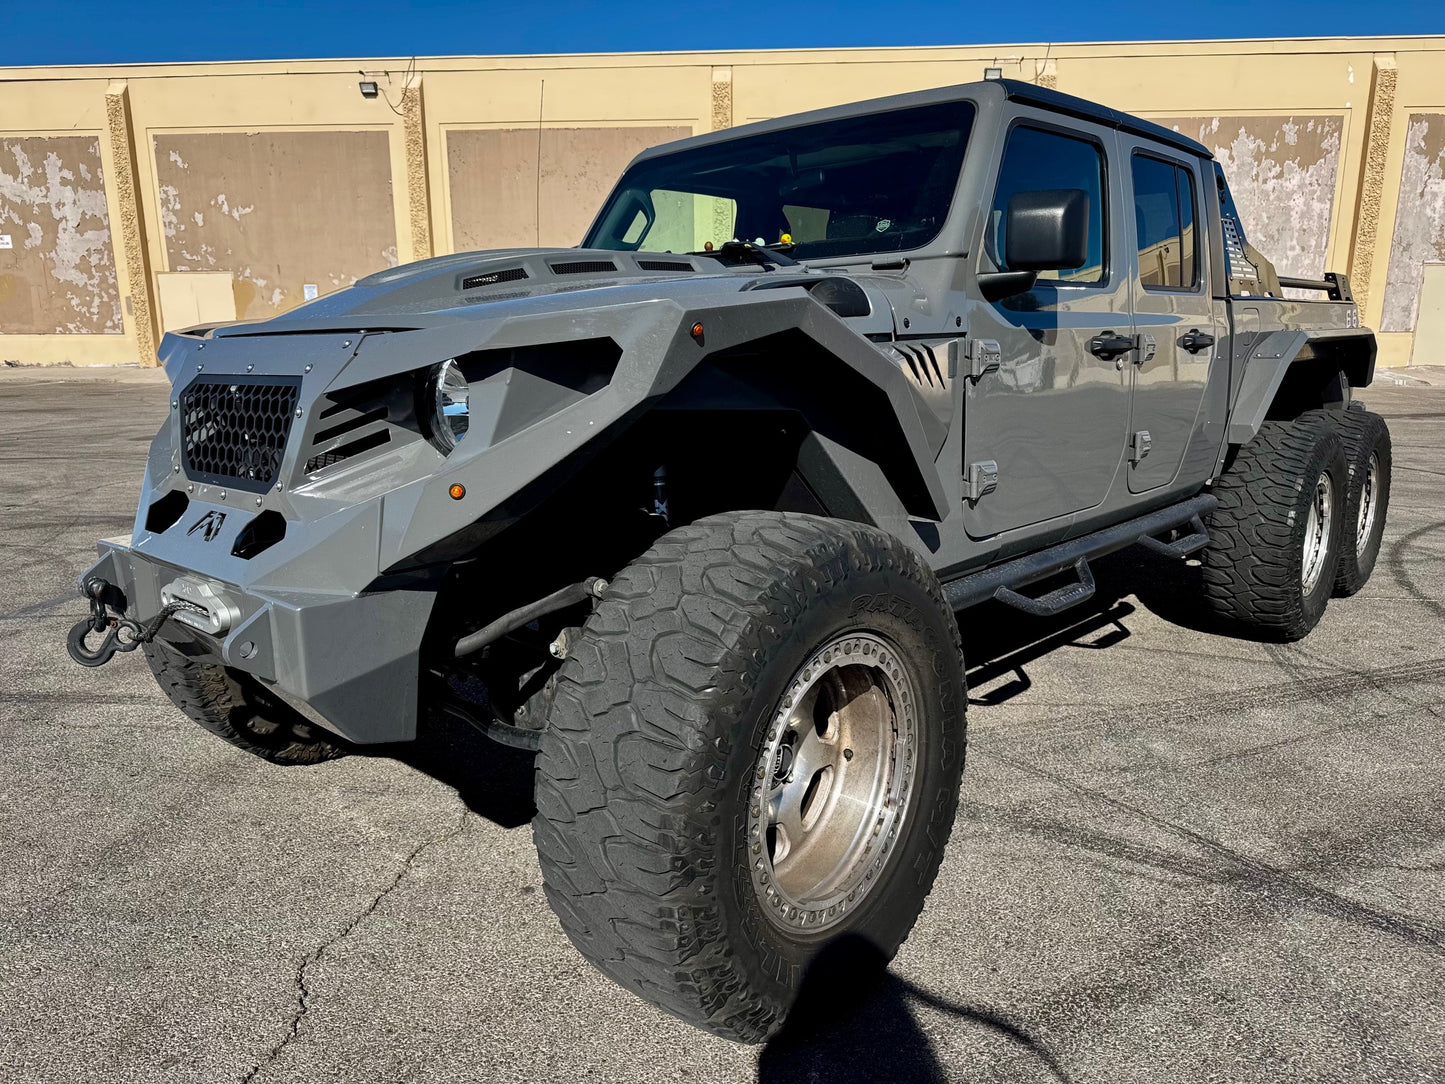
<point>303,989</point>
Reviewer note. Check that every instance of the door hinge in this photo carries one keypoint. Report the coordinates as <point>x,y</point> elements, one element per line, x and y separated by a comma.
<point>981,356</point>
<point>1139,445</point>
<point>982,478</point>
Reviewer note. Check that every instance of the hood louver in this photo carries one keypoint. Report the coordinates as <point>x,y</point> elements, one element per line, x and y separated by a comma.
<point>491,278</point>
<point>582,267</point>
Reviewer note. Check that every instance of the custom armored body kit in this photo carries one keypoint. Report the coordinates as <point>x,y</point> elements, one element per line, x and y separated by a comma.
<point>696,508</point>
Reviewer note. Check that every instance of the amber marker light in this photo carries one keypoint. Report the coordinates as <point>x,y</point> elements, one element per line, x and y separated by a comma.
<point>697,330</point>
<point>458,491</point>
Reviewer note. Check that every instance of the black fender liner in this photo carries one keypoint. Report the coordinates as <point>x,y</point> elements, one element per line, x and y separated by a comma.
<point>857,403</point>
<point>1350,351</point>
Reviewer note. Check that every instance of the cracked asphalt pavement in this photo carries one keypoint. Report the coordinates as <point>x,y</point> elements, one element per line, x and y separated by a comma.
<point>1179,857</point>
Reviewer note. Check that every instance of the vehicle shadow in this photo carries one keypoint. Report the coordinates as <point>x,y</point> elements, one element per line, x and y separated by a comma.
<point>853,1022</point>
<point>999,641</point>
<point>495,781</point>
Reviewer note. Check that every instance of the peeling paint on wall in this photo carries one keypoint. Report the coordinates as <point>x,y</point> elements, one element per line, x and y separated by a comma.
<point>494,179</point>
<point>277,210</point>
<point>1419,219</point>
<point>59,278</point>
<point>1282,172</point>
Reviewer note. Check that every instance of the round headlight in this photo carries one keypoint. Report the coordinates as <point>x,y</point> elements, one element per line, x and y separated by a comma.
<point>451,411</point>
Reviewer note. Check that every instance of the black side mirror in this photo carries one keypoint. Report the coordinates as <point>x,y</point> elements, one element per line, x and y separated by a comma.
<point>1046,230</point>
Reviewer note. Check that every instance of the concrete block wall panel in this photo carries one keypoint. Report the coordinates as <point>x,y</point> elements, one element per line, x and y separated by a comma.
<point>1408,156</point>
<point>69,109</point>
<point>1283,172</point>
<point>594,115</point>
<point>279,210</point>
<point>1419,233</point>
<point>57,267</point>
<point>503,195</point>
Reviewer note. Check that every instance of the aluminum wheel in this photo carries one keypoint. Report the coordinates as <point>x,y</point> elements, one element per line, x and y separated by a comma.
<point>834,782</point>
<point>1369,503</point>
<point>1318,529</point>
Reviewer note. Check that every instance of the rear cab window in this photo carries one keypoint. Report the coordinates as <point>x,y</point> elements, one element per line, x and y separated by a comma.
<point>1164,223</point>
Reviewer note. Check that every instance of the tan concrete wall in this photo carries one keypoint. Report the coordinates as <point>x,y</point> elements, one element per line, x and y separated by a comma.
<point>57,273</point>
<point>279,210</point>
<point>502,195</point>
<point>1334,148</point>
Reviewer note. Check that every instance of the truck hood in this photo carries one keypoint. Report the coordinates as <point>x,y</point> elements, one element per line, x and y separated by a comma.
<point>476,285</point>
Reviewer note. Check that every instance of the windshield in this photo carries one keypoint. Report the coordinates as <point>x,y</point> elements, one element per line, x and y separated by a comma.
<point>878,183</point>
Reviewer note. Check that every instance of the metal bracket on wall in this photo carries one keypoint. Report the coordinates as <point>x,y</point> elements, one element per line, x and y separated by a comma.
<point>982,478</point>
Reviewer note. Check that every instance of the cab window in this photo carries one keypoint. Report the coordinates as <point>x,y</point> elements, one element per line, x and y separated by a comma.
<point>1164,224</point>
<point>1035,159</point>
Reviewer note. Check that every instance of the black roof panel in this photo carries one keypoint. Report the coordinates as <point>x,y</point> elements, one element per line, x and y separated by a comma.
<point>1087,110</point>
<point>1042,97</point>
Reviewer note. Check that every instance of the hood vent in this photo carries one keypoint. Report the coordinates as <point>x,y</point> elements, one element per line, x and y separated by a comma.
<point>664,265</point>
<point>582,267</point>
<point>491,278</point>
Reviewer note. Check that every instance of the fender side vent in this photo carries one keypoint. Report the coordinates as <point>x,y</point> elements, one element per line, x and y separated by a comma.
<point>921,363</point>
<point>374,439</point>
<point>354,398</point>
<point>166,512</point>
<point>356,421</point>
<point>664,265</point>
<point>491,278</point>
<point>582,267</point>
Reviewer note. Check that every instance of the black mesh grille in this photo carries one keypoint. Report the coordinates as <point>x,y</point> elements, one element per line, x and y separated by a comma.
<point>234,429</point>
<point>491,278</point>
<point>664,265</point>
<point>582,267</point>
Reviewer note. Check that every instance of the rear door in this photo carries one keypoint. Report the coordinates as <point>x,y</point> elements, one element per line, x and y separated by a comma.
<point>1052,417</point>
<point>1174,313</point>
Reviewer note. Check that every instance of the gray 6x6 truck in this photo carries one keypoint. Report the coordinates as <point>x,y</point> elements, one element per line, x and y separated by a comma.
<point>694,509</point>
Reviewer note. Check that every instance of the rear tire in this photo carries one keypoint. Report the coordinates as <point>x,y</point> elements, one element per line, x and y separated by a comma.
<point>698,798</point>
<point>1367,453</point>
<point>212,697</point>
<point>1273,552</point>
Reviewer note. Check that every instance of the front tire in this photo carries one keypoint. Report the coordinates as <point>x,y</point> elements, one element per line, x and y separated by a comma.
<point>211,696</point>
<point>743,691</point>
<point>1274,540</point>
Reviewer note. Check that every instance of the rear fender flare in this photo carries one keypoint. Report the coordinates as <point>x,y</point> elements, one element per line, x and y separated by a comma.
<point>1273,358</point>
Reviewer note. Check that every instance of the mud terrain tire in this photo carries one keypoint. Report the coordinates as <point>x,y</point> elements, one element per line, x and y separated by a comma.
<point>1265,573</point>
<point>665,732</point>
<point>203,689</point>
<point>1367,445</point>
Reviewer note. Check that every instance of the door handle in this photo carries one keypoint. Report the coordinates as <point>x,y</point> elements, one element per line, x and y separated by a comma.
<point>1108,345</point>
<point>1195,340</point>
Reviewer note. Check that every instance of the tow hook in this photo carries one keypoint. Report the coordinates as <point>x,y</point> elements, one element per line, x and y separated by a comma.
<point>120,633</point>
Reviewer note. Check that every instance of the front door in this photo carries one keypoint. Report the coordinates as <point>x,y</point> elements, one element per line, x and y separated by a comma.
<point>1173,312</point>
<point>1053,415</point>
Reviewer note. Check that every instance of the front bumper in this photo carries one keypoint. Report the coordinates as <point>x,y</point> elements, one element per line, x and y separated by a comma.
<point>347,662</point>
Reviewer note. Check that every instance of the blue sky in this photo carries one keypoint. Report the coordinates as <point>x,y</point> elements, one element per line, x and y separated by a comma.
<point>116,32</point>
